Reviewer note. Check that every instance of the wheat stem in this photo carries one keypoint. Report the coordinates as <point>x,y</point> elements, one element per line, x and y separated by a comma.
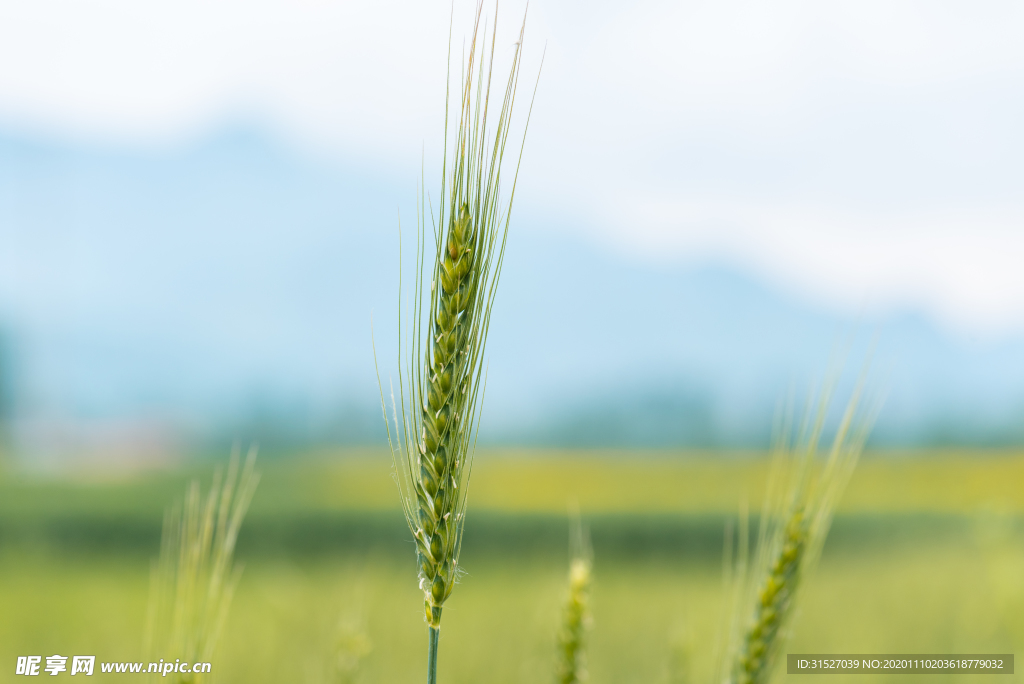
<point>435,633</point>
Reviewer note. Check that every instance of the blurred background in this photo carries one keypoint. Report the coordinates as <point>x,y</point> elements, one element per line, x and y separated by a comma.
<point>200,205</point>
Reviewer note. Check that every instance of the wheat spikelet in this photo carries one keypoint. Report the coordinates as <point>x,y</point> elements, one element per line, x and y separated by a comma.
<point>799,504</point>
<point>193,582</point>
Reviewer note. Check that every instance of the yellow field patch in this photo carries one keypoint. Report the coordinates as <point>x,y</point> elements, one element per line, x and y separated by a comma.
<point>548,481</point>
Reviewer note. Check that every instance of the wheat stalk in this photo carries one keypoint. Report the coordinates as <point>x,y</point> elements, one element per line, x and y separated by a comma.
<point>799,505</point>
<point>193,582</point>
<point>440,387</point>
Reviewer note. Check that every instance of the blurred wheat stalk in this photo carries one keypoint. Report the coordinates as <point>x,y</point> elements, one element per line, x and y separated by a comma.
<point>194,580</point>
<point>441,384</point>
<point>800,500</point>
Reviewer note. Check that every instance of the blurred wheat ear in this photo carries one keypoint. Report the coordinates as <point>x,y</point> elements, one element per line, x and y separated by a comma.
<point>803,490</point>
<point>193,582</point>
<point>576,618</point>
<point>352,645</point>
<point>680,666</point>
<point>440,382</point>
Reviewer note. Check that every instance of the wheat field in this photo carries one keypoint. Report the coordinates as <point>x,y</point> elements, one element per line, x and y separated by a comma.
<point>925,555</point>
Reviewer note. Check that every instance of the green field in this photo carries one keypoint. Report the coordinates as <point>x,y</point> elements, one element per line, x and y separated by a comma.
<point>925,556</point>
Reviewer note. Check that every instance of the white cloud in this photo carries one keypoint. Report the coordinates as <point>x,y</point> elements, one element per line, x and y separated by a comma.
<point>963,267</point>
<point>859,151</point>
<point>119,67</point>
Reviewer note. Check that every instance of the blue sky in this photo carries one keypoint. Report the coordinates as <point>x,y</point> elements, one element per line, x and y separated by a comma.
<point>852,161</point>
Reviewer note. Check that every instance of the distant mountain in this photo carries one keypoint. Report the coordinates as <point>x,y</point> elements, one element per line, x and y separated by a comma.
<point>229,288</point>
<point>705,355</point>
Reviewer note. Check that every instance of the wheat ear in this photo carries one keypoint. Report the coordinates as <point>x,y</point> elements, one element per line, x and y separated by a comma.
<point>576,618</point>
<point>193,582</point>
<point>440,387</point>
<point>799,504</point>
<point>773,604</point>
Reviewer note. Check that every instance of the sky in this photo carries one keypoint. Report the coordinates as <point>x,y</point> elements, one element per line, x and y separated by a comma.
<point>199,204</point>
<point>866,155</point>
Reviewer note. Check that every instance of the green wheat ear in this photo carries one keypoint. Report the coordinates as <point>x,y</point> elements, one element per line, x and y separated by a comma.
<point>440,382</point>
<point>193,582</point>
<point>799,505</point>
<point>576,618</point>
